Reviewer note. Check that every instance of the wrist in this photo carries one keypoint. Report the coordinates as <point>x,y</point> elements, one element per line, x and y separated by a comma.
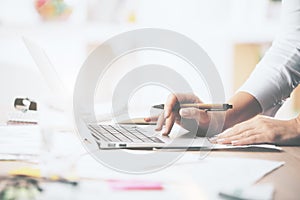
<point>291,133</point>
<point>245,106</point>
<point>297,124</point>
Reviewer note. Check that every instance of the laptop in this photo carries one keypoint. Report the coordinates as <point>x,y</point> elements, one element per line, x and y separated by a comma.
<point>117,136</point>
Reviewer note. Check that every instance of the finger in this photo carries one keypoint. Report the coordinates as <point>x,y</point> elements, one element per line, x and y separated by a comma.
<point>178,120</point>
<point>174,99</point>
<point>193,113</point>
<point>213,139</point>
<point>254,139</point>
<point>169,105</point>
<point>160,122</point>
<point>225,137</point>
<point>240,136</point>
<point>151,119</point>
<point>169,124</point>
<point>147,119</point>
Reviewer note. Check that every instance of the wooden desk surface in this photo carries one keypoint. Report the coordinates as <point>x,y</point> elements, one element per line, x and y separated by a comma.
<point>286,179</point>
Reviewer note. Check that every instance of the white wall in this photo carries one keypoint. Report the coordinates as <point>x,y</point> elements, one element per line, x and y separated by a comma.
<point>215,24</point>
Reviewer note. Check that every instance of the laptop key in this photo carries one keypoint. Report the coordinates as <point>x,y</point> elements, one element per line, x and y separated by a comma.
<point>122,137</point>
<point>113,138</point>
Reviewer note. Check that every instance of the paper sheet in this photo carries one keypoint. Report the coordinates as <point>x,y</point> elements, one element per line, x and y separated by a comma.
<point>205,177</point>
<point>253,146</point>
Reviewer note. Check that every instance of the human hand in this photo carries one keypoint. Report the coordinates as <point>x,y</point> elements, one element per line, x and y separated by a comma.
<point>190,115</point>
<point>262,129</point>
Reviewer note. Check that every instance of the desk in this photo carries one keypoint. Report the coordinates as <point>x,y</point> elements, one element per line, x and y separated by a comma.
<point>286,179</point>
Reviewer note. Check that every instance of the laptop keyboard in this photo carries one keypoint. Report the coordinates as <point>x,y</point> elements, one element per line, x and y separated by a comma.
<point>118,133</point>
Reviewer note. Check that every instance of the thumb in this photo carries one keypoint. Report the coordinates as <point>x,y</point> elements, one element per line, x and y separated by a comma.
<point>193,113</point>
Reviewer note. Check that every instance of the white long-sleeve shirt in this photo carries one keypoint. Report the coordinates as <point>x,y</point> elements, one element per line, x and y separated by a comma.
<point>278,73</point>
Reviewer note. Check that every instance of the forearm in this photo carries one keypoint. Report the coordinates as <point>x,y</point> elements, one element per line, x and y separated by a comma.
<point>245,106</point>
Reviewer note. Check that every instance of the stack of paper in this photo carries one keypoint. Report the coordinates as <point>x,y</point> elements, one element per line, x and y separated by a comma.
<point>19,140</point>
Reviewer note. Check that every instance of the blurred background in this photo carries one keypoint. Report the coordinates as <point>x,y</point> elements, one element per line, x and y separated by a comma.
<point>234,33</point>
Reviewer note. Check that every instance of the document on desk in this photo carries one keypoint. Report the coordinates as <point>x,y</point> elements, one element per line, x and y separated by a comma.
<point>19,141</point>
<point>203,178</point>
<point>214,174</point>
<point>258,147</point>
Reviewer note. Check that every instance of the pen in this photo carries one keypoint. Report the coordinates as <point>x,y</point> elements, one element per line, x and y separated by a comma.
<point>207,107</point>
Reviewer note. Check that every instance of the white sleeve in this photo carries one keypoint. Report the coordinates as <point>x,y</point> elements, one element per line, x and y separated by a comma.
<point>278,73</point>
